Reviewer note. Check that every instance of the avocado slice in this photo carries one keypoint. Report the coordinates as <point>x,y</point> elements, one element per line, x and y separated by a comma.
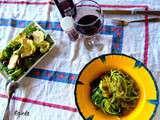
<point>12,62</point>
<point>44,46</point>
<point>38,36</point>
<point>1,55</point>
<point>18,39</point>
<point>28,48</point>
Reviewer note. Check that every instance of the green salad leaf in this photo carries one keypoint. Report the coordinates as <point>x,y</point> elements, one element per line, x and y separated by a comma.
<point>8,51</point>
<point>30,29</point>
<point>16,74</point>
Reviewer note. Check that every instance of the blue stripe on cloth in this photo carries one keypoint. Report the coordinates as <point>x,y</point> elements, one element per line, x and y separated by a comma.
<point>53,75</point>
<point>117,39</point>
<point>63,77</point>
<point>48,25</point>
<point>117,33</point>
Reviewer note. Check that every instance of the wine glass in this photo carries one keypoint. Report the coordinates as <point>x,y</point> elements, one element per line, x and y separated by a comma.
<point>88,22</point>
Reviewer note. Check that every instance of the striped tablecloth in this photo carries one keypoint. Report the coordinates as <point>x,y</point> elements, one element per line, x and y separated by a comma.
<point>48,91</point>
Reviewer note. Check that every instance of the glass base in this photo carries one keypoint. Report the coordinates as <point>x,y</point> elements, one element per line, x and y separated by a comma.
<point>93,42</point>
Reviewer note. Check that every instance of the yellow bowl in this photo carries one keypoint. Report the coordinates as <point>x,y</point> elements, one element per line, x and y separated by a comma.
<point>148,101</point>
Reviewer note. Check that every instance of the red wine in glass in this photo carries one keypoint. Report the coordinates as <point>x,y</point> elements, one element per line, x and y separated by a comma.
<point>88,25</point>
<point>89,21</point>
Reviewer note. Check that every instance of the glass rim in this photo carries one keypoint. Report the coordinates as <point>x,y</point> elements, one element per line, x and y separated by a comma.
<point>100,14</point>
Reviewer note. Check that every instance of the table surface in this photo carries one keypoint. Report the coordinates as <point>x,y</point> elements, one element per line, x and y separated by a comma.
<point>48,91</point>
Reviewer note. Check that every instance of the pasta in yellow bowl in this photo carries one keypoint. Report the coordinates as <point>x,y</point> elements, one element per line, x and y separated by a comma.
<point>116,87</point>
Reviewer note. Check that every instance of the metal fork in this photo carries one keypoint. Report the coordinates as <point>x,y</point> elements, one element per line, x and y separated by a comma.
<point>120,22</point>
<point>11,87</point>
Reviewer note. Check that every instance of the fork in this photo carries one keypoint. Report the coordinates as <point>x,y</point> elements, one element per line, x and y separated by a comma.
<point>10,87</point>
<point>121,22</point>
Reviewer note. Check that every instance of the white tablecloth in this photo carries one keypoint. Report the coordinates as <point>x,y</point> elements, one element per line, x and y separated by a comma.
<point>48,91</point>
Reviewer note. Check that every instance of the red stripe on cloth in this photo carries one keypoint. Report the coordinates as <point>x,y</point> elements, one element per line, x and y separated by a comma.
<point>3,96</point>
<point>43,3</point>
<point>27,100</point>
<point>146,45</point>
<point>25,2</point>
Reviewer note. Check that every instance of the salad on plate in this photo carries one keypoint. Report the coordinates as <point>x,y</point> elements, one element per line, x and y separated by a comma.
<point>24,51</point>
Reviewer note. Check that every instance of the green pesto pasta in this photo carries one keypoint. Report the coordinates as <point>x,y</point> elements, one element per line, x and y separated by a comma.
<point>115,94</point>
